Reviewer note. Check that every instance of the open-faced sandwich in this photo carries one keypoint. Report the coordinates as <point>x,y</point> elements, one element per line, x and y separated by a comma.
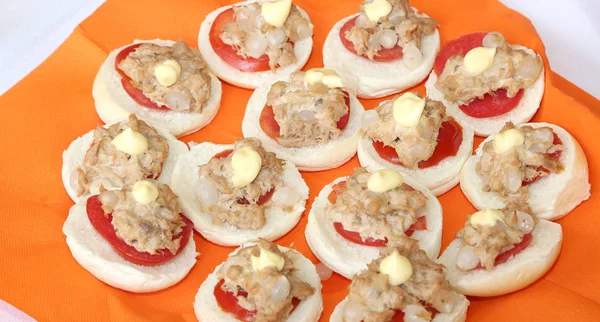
<point>387,46</point>
<point>236,193</point>
<point>261,282</point>
<point>415,136</point>
<point>354,218</point>
<point>538,164</point>
<point>403,284</point>
<point>501,251</point>
<point>310,119</point>
<point>163,82</point>
<point>485,82</point>
<point>119,154</point>
<point>255,42</point>
<point>135,239</point>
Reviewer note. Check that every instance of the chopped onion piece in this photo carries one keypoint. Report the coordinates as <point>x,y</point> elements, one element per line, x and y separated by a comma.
<point>74,180</point>
<point>324,272</point>
<point>529,67</point>
<point>513,179</point>
<point>412,56</point>
<point>412,313</point>
<point>280,289</point>
<point>466,259</point>
<point>304,31</point>
<point>109,199</point>
<point>207,192</point>
<point>388,38</point>
<point>276,36</point>
<point>526,222</point>
<point>353,312</point>
<point>285,197</point>
<point>177,101</point>
<point>256,45</point>
<point>493,39</point>
<point>369,118</point>
<point>307,115</point>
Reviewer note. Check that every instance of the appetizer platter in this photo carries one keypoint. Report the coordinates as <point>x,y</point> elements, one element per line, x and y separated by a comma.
<point>292,160</point>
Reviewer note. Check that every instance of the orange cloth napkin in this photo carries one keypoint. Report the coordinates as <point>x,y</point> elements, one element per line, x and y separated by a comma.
<point>53,105</point>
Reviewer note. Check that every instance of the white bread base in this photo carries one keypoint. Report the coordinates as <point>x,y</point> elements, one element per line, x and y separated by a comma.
<point>458,315</point>
<point>114,104</point>
<point>251,80</point>
<point>347,258</point>
<point>439,179</point>
<point>523,112</point>
<point>74,156</point>
<point>551,197</point>
<point>377,79</point>
<point>184,182</point>
<point>518,272</point>
<point>313,158</point>
<point>98,257</point>
<point>309,310</point>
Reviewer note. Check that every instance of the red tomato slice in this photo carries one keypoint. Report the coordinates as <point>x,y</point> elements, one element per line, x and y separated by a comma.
<point>496,104</point>
<point>504,256</point>
<point>228,53</point>
<point>383,55</point>
<point>491,105</point>
<point>353,236</point>
<point>229,303</point>
<point>337,188</point>
<point>103,225</point>
<point>555,155</point>
<point>262,199</point>
<point>135,94</point>
<point>449,140</point>
<point>271,128</point>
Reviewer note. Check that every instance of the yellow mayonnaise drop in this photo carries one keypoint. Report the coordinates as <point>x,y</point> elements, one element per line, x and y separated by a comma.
<point>246,164</point>
<point>487,217</point>
<point>396,267</point>
<point>276,13</point>
<point>167,73</point>
<point>407,109</point>
<point>478,59</point>
<point>130,142</point>
<point>325,76</point>
<point>267,259</point>
<point>507,140</point>
<point>384,180</point>
<point>377,9</point>
<point>144,192</point>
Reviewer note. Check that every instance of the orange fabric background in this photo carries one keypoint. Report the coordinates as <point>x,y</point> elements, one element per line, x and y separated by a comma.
<point>42,114</point>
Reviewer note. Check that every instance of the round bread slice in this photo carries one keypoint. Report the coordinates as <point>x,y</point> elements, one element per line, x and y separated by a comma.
<point>114,104</point>
<point>347,258</point>
<point>439,178</point>
<point>74,156</point>
<point>98,257</point>
<point>308,310</point>
<point>518,272</point>
<point>459,314</point>
<point>251,80</point>
<point>184,183</point>
<point>378,79</point>
<point>523,112</point>
<point>312,158</point>
<point>551,197</point>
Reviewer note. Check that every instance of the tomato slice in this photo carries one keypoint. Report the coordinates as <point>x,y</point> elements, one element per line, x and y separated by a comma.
<point>504,256</point>
<point>354,237</point>
<point>229,303</point>
<point>383,55</point>
<point>495,104</point>
<point>449,140</point>
<point>228,53</point>
<point>498,103</point>
<point>222,154</point>
<point>271,128</point>
<point>337,189</point>
<point>420,224</point>
<point>103,225</point>
<point>555,155</point>
<point>136,94</point>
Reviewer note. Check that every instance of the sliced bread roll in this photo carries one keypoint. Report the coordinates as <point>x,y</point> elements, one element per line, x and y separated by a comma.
<point>98,257</point>
<point>347,258</point>
<point>185,184</point>
<point>309,309</point>
<point>439,178</point>
<point>114,104</point>
<point>518,272</point>
<point>523,112</point>
<point>378,79</point>
<point>232,75</point>
<point>313,158</point>
<point>74,155</point>
<point>551,197</point>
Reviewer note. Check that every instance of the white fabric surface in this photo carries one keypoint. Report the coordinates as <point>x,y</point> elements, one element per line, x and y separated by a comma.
<point>31,30</point>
